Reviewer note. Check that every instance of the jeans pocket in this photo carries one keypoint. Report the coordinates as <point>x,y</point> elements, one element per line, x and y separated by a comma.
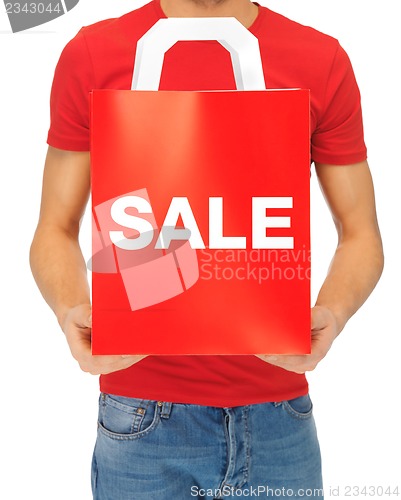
<point>300,407</point>
<point>126,418</point>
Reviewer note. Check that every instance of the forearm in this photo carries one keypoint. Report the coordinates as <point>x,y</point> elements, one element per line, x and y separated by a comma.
<point>353,274</point>
<point>59,269</point>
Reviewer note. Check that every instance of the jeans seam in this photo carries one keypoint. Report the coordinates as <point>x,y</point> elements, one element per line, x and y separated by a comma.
<point>296,414</point>
<point>247,443</point>
<point>130,437</point>
<point>130,410</point>
<point>138,418</point>
<point>95,474</point>
<point>228,448</point>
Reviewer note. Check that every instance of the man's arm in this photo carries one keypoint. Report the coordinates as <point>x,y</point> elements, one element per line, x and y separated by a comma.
<point>56,259</point>
<point>357,263</point>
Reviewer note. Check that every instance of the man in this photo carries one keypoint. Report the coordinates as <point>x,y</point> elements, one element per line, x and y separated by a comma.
<point>206,426</point>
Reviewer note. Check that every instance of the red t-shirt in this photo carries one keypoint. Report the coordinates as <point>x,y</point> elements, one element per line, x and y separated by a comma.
<point>102,56</point>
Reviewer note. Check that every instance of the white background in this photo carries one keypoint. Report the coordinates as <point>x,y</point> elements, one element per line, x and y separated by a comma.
<point>48,406</point>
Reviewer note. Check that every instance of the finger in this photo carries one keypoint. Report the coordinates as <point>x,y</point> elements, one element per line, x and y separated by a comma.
<point>287,359</point>
<point>125,363</point>
<point>112,363</point>
<point>296,364</point>
<point>321,344</point>
<point>126,356</point>
<point>81,316</point>
<point>80,345</point>
<point>99,367</point>
<point>110,359</point>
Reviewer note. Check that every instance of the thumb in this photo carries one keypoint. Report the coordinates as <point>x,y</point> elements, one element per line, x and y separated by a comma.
<point>317,319</point>
<point>83,316</point>
<point>88,321</point>
<point>322,317</point>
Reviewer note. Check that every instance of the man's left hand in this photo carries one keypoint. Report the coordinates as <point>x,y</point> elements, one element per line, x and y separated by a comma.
<point>323,330</point>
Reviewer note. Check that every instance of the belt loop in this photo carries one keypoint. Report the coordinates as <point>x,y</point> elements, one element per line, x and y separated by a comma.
<point>165,408</point>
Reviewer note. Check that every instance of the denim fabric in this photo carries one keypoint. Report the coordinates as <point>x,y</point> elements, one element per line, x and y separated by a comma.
<point>154,450</point>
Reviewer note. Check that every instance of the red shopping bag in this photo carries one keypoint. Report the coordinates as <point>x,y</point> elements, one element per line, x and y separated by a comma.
<point>200,205</point>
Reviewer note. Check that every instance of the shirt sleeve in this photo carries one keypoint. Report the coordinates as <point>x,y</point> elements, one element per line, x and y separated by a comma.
<point>69,99</point>
<point>339,138</point>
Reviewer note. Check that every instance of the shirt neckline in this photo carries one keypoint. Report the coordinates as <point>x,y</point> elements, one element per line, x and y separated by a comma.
<point>253,28</point>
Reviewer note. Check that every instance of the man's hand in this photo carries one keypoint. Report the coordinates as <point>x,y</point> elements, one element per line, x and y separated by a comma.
<point>77,326</point>
<point>357,263</point>
<point>323,330</point>
<point>57,262</point>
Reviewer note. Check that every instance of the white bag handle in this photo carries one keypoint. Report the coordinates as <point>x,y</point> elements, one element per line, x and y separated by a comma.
<point>240,42</point>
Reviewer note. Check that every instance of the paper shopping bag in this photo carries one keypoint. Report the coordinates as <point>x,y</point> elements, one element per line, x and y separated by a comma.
<point>200,205</point>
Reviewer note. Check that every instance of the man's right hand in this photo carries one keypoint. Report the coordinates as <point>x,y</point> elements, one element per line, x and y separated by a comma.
<point>77,327</point>
<point>57,261</point>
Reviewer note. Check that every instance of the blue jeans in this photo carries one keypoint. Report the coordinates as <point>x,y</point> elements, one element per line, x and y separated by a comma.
<point>153,450</point>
